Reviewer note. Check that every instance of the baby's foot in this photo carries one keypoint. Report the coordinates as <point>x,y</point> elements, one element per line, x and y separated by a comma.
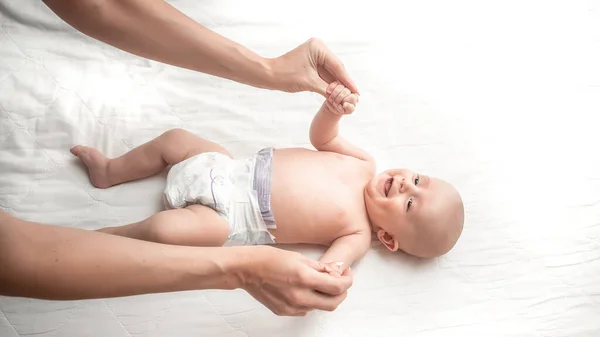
<point>97,165</point>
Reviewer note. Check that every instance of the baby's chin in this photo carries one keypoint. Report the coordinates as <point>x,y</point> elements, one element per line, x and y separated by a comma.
<point>375,185</point>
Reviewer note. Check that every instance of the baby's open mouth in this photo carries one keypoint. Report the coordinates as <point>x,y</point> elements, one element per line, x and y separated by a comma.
<point>387,186</point>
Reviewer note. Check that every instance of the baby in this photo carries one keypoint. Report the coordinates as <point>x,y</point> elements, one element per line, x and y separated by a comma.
<point>330,197</point>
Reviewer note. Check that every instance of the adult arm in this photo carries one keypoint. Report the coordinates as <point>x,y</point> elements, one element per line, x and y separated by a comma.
<point>156,30</point>
<point>62,263</point>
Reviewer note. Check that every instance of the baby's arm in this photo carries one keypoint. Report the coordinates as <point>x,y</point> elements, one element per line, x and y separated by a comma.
<point>346,250</point>
<point>324,134</point>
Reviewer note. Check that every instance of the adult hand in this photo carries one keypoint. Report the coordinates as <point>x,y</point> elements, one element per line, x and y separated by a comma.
<point>156,30</point>
<point>290,284</point>
<point>310,67</point>
<point>63,263</point>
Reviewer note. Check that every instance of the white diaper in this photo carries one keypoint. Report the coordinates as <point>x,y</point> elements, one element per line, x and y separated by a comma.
<point>228,186</point>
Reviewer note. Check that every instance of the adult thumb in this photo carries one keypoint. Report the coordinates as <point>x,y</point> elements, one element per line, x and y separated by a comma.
<point>319,266</point>
<point>320,86</point>
<point>335,67</point>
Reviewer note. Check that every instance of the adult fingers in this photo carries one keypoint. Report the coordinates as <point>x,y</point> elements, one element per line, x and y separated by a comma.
<point>327,61</point>
<point>320,85</point>
<point>337,69</point>
<point>328,284</point>
<point>318,266</point>
<point>322,301</point>
<point>323,281</point>
<point>281,304</point>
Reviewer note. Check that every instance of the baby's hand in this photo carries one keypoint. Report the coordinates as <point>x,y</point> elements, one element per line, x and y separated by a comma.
<point>340,100</point>
<point>335,268</point>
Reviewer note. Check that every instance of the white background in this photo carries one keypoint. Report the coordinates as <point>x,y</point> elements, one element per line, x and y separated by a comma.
<point>499,97</point>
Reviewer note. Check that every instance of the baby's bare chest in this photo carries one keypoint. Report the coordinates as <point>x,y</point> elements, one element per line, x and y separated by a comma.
<point>317,197</point>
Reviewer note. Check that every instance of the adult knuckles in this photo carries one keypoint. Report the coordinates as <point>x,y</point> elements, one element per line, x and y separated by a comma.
<point>295,298</point>
<point>304,277</point>
<point>341,288</point>
<point>330,306</point>
<point>285,310</point>
<point>315,41</point>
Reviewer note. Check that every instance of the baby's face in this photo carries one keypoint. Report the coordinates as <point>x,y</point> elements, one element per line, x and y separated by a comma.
<point>420,215</point>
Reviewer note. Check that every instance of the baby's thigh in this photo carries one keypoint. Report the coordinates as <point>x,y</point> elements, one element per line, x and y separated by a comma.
<point>189,144</point>
<point>195,225</point>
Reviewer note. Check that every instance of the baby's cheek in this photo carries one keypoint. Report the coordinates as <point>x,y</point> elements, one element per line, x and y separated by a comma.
<point>394,209</point>
<point>399,223</point>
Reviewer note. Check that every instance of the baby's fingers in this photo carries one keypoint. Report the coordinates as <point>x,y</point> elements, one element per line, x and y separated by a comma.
<point>349,108</point>
<point>335,92</point>
<point>341,97</point>
<point>352,99</point>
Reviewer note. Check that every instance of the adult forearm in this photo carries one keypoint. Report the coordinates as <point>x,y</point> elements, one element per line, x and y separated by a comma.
<point>61,263</point>
<point>53,262</point>
<point>155,30</point>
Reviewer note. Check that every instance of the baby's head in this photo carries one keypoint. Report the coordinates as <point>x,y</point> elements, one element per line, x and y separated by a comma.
<point>414,213</point>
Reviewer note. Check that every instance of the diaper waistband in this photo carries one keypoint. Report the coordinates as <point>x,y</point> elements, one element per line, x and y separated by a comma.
<point>262,184</point>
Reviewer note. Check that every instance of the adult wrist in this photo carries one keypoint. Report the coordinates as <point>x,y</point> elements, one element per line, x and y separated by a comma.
<point>235,265</point>
<point>250,68</point>
<point>271,76</point>
<point>281,76</point>
<point>243,264</point>
<point>198,268</point>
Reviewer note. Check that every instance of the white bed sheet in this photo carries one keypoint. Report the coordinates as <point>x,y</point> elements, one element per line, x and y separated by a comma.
<point>500,98</point>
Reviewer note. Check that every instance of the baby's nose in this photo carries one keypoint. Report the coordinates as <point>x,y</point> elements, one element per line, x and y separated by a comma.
<point>402,183</point>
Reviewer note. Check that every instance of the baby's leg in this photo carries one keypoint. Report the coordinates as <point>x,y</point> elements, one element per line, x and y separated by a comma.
<point>195,225</point>
<point>145,160</point>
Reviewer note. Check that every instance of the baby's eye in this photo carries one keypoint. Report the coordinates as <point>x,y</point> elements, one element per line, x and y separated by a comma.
<point>417,180</point>
<point>410,201</point>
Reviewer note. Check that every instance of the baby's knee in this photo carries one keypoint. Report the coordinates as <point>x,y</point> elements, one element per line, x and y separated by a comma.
<point>175,136</point>
<point>175,145</point>
<point>169,226</point>
<point>188,226</point>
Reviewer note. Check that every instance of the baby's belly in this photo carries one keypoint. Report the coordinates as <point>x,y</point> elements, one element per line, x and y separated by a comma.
<point>309,196</point>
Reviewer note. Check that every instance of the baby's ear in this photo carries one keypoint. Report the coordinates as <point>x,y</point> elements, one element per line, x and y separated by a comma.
<point>388,240</point>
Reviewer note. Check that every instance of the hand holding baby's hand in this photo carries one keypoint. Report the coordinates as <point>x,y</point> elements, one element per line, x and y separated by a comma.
<point>340,100</point>
<point>336,268</point>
